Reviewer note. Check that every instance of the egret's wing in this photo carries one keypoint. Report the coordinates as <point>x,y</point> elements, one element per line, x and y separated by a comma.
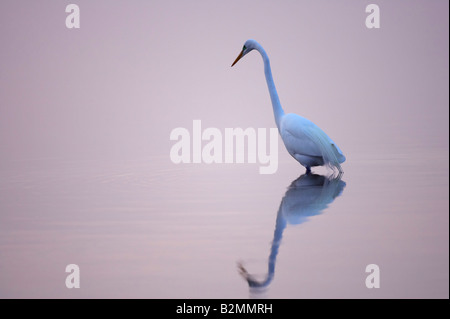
<point>295,138</point>
<point>304,137</point>
<point>297,142</point>
<point>328,148</point>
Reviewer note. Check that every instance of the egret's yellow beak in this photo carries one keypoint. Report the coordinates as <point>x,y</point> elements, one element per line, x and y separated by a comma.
<point>239,57</point>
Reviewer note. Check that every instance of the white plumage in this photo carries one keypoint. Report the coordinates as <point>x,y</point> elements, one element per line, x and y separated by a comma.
<point>303,139</point>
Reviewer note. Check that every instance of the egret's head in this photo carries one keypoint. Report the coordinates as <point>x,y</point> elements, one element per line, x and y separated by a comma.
<point>249,45</point>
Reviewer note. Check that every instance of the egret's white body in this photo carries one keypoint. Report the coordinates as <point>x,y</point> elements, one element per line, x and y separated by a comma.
<point>303,139</point>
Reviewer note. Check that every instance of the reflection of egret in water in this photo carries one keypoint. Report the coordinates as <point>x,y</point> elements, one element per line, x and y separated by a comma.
<point>307,196</point>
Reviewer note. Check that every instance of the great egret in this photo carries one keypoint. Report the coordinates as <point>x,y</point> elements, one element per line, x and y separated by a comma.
<point>303,139</point>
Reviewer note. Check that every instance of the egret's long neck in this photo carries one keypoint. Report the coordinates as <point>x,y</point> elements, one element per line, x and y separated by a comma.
<point>276,105</point>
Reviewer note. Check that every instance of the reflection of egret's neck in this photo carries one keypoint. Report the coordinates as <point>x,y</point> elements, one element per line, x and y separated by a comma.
<point>277,236</point>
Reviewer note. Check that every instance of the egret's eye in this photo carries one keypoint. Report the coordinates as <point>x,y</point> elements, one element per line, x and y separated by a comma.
<point>244,48</point>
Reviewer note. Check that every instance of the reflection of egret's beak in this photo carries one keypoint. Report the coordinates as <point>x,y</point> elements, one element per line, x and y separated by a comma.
<point>239,57</point>
<point>251,280</point>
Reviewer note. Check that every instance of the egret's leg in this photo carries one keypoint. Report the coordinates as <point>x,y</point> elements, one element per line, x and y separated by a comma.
<point>308,170</point>
<point>341,172</point>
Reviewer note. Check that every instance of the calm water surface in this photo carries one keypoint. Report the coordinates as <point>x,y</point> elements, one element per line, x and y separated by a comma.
<point>148,228</point>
